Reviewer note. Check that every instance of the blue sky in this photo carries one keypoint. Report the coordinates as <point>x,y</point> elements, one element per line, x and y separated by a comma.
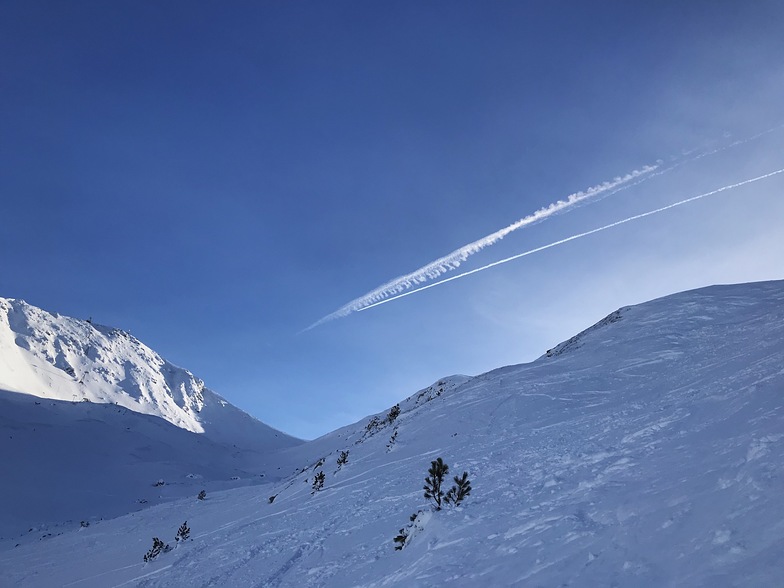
<point>214,177</point>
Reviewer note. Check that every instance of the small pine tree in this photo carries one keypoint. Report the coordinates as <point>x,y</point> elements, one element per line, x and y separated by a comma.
<point>318,482</point>
<point>183,533</point>
<point>438,469</point>
<point>158,546</point>
<point>342,459</point>
<point>202,495</point>
<point>459,491</point>
<point>394,412</point>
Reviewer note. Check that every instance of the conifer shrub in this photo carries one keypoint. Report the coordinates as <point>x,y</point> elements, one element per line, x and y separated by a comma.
<point>183,533</point>
<point>438,469</point>
<point>434,492</point>
<point>318,482</point>
<point>433,485</point>
<point>372,425</point>
<point>342,459</point>
<point>394,412</point>
<point>202,495</point>
<point>157,548</point>
<point>459,491</point>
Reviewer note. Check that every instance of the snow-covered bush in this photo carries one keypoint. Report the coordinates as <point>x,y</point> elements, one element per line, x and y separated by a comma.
<point>407,533</point>
<point>401,538</point>
<point>202,495</point>
<point>342,459</point>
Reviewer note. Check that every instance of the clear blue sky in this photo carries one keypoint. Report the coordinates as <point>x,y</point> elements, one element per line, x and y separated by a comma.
<point>214,177</point>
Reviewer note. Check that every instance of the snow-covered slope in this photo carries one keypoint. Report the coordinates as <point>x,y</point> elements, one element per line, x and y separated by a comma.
<point>646,451</point>
<point>63,358</point>
<point>91,418</point>
<point>65,461</point>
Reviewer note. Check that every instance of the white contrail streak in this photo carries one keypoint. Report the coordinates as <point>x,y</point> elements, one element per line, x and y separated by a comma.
<point>574,237</point>
<point>393,289</point>
<point>453,260</point>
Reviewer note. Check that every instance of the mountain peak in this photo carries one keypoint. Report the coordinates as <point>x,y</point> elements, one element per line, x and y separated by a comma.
<point>63,358</point>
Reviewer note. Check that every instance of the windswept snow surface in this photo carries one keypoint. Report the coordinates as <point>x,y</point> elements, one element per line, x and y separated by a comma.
<point>646,451</point>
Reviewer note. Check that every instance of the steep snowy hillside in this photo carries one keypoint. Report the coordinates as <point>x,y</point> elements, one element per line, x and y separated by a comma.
<point>645,451</point>
<point>63,358</point>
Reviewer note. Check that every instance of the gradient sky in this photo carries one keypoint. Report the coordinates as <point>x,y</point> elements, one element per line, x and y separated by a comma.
<point>214,177</point>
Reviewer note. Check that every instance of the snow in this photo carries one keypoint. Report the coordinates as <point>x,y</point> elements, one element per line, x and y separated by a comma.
<point>646,451</point>
<point>63,358</point>
<point>86,461</point>
<point>91,418</point>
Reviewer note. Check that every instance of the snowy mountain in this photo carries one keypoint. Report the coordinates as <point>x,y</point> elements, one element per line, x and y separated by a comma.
<point>91,419</point>
<point>63,358</point>
<point>645,451</point>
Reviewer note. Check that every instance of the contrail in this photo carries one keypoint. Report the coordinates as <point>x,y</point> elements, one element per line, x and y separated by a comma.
<point>453,260</point>
<point>574,237</point>
<point>395,288</point>
<point>736,143</point>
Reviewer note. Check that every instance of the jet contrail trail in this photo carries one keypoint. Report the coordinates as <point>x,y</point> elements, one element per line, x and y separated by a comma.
<point>453,260</point>
<point>574,237</point>
<point>394,289</point>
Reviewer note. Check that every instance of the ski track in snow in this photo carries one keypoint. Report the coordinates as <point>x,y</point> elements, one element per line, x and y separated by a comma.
<point>645,452</point>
